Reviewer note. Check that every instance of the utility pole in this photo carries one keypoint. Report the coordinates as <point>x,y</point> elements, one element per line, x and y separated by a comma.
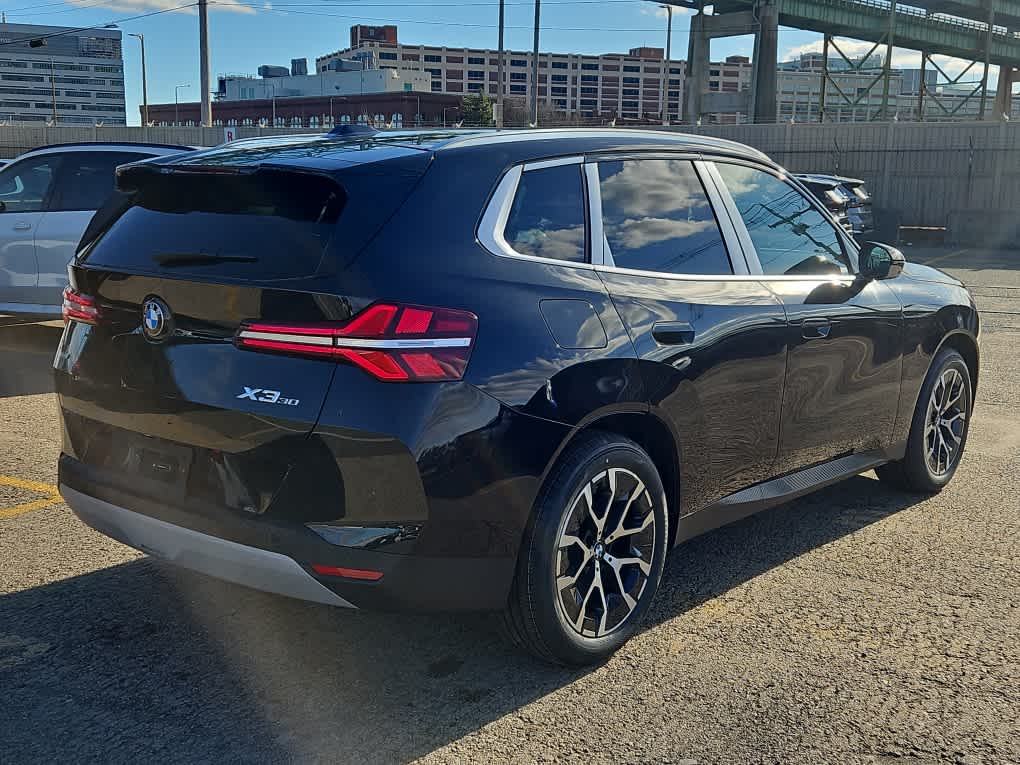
<point>499,69</point>
<point>534,67</point>
<point>203,56</point>
<point>145,92</point>
<point>665,67</point>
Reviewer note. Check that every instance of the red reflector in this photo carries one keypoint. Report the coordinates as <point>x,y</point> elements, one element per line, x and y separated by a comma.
<point>414,321</point>
<point>347,573</point>
<point>393,343</point>
<point>79,307</point>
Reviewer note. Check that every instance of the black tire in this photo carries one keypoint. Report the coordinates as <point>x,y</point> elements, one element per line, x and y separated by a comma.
<point>915,472</point>
<point>536,617</point>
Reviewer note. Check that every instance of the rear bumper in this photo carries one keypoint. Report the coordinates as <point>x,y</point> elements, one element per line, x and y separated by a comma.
<point>276,556</point>
<point>221,558</point>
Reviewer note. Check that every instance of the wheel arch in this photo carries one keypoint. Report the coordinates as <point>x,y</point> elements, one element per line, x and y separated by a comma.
<point>964,344</point>
<point>651,433</point>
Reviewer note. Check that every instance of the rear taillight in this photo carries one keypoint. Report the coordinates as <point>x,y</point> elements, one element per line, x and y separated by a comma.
<point>394,343</point>
<point>79,307</point>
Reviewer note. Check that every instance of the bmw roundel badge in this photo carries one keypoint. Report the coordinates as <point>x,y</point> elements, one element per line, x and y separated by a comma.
<point>156,318</point>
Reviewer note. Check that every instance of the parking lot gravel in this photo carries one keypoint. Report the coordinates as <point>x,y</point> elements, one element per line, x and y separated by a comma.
<point>857,624</point>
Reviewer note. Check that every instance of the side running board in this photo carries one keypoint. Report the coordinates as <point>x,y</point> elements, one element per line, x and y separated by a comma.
<point>775,492</point>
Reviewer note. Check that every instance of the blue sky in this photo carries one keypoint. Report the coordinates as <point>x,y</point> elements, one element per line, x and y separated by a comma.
<point>247,33</point>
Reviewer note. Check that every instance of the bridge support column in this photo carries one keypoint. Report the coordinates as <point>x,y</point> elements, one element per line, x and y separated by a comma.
<point>696,81</point>
<point>765,64</point>
<point>1004,92</point>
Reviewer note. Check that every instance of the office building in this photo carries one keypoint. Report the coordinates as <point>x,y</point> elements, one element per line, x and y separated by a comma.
<point>575,86</point>
<point>76,77</point>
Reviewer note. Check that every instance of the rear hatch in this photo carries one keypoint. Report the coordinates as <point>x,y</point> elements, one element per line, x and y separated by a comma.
<point>156,393</point>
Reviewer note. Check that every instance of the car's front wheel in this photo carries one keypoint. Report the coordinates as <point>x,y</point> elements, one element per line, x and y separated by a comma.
<point>938,432</point>
<point>592,554</point>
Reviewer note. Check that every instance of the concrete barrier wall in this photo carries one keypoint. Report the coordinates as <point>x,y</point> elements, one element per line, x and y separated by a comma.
<point>921,174</point>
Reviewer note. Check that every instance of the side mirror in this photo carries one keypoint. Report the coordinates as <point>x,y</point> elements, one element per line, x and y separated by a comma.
<point>880,261</point>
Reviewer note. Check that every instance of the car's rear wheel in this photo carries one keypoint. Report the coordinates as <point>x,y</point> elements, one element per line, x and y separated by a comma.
<point>938,432</point>
<point>592,554</point>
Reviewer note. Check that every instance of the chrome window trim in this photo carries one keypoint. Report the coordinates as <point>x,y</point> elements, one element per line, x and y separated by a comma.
<point>841,278</point>
<point>497,212</point>
<point>555,162</point>
<point>736,225</point>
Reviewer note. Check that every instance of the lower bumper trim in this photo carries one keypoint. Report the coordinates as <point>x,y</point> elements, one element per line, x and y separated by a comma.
<point>220,558</point>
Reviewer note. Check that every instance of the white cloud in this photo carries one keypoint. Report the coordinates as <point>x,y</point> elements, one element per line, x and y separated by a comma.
<point>659,12</point>
<point>902,58</point>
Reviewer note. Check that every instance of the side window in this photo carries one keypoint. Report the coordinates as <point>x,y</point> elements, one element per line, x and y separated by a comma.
<point>547,218</point>
<point>25,186</point>
<point>86,179</point>
<point>789,234</point>
<point>657,217</point>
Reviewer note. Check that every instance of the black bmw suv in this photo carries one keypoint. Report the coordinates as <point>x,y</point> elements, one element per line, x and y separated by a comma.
<point>487,370</point>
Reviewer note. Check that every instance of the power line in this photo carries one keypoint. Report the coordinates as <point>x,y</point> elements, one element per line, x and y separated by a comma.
<point>65,32</point>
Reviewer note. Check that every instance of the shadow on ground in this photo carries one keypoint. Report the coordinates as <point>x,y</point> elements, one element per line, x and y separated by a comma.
<point>26,356</point>
<point>140,661</point>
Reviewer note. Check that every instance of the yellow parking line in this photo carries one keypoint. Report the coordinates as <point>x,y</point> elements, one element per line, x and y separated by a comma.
<point>52,496</point>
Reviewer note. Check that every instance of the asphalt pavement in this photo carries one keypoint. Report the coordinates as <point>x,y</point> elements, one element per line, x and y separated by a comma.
<point>858,624</point>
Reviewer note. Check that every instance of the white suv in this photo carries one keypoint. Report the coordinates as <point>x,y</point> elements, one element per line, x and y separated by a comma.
<point>47,198</point>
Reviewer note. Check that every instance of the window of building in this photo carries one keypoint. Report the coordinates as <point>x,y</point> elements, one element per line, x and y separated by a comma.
<point>560,65</point>
<point>611,67</point>
<point>631,68</point>
<point>519,89</point>
<point>589,102</point>
<point>454,59</point>
<point>97,68</point>
<point>713,72</point>
<point>673,94</point>
<point>518,62</point>
<point>789,233</point>
<point>676,70</point>
<point>547,218</point>
<point>432,59</point>
<point>631,80</point>
<point>476,87</point>
<point>652,70</point>
<point>674,83</point>
<point>22,77</point>
<point>558,77</point>
<point>476,60</point>
<point>476,74</point>
<point>630,105</point>
<point>519,76</point>
<point>437,87</point>
<point>589,91</point>
<point>558,90</point>
<point>657,217</point>
<point>455,74</point>
<point>387,56</point>
<point>589,78</point>
<point>101,94</point>
<point>410,57</point>
<point>590,66</point>
<point>435,72</point>
<point>560,103</point>
<point>632,92</point>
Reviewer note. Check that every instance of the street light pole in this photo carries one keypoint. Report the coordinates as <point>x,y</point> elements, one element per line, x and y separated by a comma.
<point>499,70</point>
<point>177,102</point>
<point>534,67</point>
<point>273,86</point>
<point>53,92</point>
<point>145,91</point>
<point>203,56</point>
<point>665,68</point>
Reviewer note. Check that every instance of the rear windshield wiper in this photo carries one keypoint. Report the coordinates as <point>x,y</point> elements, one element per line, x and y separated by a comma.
<point>200,259</point>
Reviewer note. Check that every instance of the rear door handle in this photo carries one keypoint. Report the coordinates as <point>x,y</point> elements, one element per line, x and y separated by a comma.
<point>815,328</point>
<point>673,332</point>
<point>22,226</point>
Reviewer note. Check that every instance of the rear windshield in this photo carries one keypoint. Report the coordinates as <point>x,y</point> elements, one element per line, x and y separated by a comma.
<point>263,226</point>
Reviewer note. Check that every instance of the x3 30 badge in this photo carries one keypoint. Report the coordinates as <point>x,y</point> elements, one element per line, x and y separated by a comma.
<point>264,396</point>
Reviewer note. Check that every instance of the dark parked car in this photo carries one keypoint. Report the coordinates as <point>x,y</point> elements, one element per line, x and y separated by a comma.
<point>855,205</point>
<point>488,370</point>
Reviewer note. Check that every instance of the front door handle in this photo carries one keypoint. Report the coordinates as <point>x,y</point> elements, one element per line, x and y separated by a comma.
<point>673,332</point>
<point>22,226</point>
<point>815,328</point>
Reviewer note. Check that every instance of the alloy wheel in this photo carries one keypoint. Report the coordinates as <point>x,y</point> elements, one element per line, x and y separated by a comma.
<point>604,553</point>
<point>945,422</point>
